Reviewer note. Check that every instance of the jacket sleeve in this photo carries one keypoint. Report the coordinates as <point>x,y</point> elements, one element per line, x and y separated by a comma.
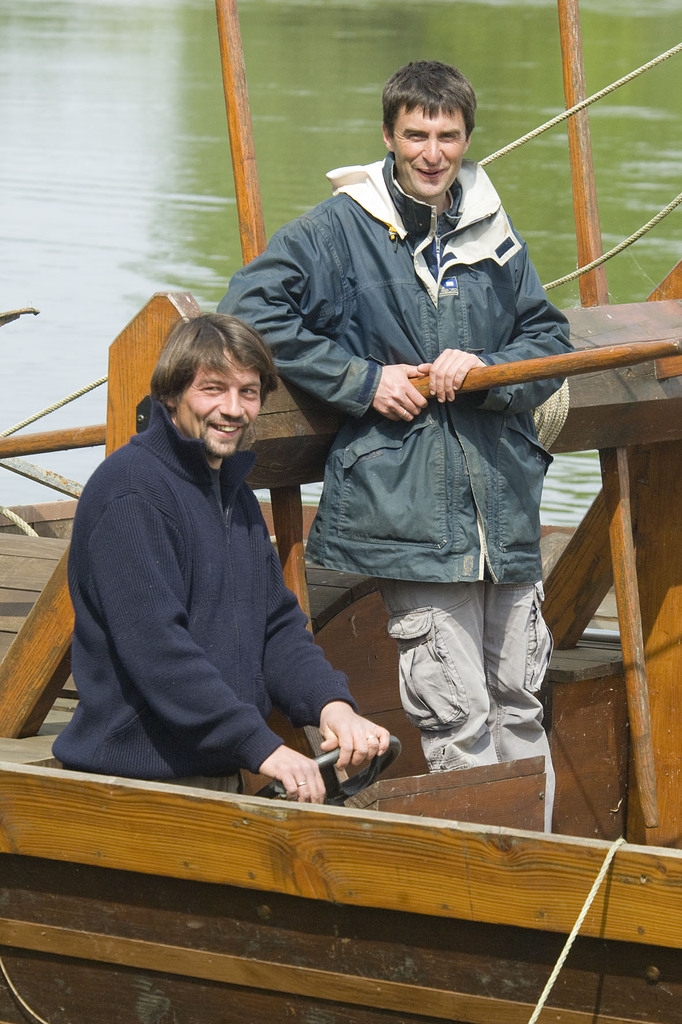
<point>540,329</point>
<point>295,296</point>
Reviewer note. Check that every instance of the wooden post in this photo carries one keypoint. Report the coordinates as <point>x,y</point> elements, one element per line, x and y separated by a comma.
<point>657,489</point>
<point>132,358</point>
<point>593,287</point>
<point>616,485</point>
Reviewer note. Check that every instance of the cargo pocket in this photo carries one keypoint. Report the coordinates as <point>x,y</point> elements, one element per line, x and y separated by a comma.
<point>431,690</point>
<point>540,644</point>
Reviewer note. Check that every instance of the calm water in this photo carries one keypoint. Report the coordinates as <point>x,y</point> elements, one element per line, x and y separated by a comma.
<point>115,177</point>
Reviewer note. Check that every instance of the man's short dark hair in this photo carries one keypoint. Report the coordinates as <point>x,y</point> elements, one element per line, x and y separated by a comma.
<point>432,87</point>
<point>210,341</point>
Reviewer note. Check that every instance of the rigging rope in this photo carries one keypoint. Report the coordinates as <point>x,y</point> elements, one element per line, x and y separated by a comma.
<point>565,114</point>
<point>56,405</point>
<point>576,928</point>
<point>18,521</point>
<point>619,248</point>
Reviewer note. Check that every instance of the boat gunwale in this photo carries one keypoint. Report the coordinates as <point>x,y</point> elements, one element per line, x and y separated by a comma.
<point>341,855</point>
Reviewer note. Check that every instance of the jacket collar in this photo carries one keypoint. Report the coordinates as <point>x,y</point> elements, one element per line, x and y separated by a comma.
<point>417,216</point>
<point>369,186</point>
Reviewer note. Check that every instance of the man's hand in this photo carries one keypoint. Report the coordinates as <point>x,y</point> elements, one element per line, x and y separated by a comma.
<point>299,774</point>
<point>358,739</point>
<point>396,398</point>
<point>448,371</point>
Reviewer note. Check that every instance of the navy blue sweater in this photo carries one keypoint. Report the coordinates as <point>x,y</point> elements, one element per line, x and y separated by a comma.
<point>185,634</point>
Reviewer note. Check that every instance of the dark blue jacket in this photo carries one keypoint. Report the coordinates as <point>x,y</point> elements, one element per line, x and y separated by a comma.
<point>185,634</point>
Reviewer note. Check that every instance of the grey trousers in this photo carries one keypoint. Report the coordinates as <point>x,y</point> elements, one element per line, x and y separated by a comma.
<point>472,659</point>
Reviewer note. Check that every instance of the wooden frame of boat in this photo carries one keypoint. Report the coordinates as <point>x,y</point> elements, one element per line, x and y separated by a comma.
<point>433,898</point>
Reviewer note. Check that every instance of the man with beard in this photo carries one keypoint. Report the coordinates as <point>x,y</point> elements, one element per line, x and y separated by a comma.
<point>185,635</point>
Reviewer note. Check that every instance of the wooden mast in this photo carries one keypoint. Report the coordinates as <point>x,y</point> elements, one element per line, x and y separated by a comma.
<point>286,501</point>
<point>593,287</point>
<point>287,512</point>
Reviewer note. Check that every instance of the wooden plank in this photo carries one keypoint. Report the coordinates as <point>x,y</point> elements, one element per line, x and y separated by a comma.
<point>38,663</point>
<point>622,406</point>
<point>509,794</point>
<point>589,743</point>
<point>17,602</point>
<point>659,569</point>
<point>52,441</point>
<point>580,579</point>
<point>25,573</point>
<point>276,846</point>
<point>132,358</point>
<point>48,518</point>
<point>462,958</point>
<point>50,548</point>
<point>585,662</point>
<point>616,487</point>
<point>670,287</point>
<point>357,642</point>
<point>330,592</point>
<point>31,750</point>
<point>670,367</point>
<point>325,986</point>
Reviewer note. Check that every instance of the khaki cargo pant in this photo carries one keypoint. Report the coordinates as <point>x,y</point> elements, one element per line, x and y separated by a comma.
<point>472,659</point>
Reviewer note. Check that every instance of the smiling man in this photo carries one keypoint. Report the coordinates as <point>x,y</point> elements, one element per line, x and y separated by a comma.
<point>413,267</point>
<point>185,635</point>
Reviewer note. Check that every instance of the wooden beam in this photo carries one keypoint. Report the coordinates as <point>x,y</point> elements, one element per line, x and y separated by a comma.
<point>52,441</point>
<point>274,846</point>
<point>581,578</point>
<point>132,358</point>
<point>670,287</point>
<point>324,986</point>
<point>657,483</point>
<point>616,488</point>
<point>38,663</point>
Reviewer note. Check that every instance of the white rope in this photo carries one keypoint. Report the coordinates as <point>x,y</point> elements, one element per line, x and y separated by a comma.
<point>18,521</point>
<point>576,928</point>
<point>22,1002</point>
<point>57,405</point>
<point>565,114</point>
<point>551,415</point>
<point>619,248</point>
<point>40,474</point>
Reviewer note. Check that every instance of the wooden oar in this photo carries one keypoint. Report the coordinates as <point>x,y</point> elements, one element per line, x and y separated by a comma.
<point>570,364</point>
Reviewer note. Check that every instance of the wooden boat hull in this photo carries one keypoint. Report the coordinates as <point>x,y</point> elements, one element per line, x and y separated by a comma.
<point>126,901</point>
